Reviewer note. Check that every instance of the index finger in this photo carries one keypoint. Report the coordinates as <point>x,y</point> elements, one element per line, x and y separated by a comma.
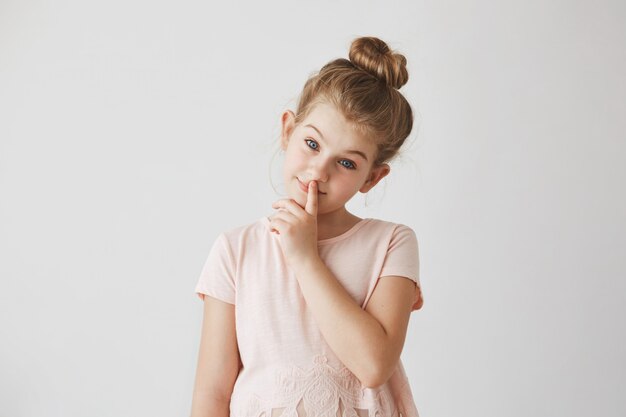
<point>311,201</point>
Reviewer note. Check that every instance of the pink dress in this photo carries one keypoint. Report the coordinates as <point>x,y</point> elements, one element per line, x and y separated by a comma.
<point>288,368</point>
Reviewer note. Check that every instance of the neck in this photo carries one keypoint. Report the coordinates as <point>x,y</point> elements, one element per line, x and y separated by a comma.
<point>334,219</point>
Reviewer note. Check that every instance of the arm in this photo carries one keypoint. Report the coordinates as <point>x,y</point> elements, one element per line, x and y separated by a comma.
<point>218,360</point>
<point>369,342</point>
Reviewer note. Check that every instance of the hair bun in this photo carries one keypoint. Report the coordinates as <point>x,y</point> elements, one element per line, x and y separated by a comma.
<point>374,56</point>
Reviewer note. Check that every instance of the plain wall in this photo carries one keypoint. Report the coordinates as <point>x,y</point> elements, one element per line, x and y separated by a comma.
<point>133,132</point>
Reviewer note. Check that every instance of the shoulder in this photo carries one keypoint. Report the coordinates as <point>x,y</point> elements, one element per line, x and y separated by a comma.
<point>255,231</point>
<point>393,230</point>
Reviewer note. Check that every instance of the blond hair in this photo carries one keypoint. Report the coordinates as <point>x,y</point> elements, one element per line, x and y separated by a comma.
<point>364,88</point>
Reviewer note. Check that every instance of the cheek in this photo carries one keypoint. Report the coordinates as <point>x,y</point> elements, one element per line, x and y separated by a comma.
<point>291,165</point>
<point>291,162</point>
<point>299,153</point>
<point>353,187</point>
<point>296,158</point>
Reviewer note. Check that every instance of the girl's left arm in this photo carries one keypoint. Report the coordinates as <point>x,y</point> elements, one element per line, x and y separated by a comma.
<point>369,342</point>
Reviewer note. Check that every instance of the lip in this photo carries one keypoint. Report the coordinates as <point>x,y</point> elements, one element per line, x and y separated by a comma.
<point>306,188</point>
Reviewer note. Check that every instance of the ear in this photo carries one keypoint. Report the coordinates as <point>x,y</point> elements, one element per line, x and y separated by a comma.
<point>288,122</point>
<point>375,175</point>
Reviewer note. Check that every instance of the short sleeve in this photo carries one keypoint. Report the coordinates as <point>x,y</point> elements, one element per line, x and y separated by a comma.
<point>402,259</point>
<point>217,277</point>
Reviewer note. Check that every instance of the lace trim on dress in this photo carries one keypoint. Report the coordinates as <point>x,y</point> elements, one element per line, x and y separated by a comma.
<point>321,391</point>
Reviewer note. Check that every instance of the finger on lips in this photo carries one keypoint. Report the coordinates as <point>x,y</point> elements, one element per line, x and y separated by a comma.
<point>284,204</point>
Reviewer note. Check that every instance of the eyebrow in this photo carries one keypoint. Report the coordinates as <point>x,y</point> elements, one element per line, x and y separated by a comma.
<point>349,151</point>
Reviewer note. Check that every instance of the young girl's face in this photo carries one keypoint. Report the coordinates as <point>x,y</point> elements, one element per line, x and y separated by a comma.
<point>325,148</point>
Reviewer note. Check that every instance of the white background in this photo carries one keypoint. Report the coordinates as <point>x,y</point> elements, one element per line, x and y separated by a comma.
<point>133,132</point>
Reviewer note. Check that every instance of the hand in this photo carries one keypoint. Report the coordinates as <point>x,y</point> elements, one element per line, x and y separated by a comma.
<point>297,227</point>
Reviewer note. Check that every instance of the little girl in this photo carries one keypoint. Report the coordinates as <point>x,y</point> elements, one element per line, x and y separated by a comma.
<point>306,310</point>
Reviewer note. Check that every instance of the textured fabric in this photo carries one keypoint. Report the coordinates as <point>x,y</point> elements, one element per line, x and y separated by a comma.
<point>288,368</point>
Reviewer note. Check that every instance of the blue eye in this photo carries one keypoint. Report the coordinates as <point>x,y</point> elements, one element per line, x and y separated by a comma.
<point>306,140</point>
<point>351,166</point>
<point>350,163</point>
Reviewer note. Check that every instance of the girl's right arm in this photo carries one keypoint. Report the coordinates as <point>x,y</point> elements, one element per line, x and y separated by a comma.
<point>218,360</point>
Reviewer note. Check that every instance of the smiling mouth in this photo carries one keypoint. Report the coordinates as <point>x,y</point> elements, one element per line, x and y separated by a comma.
<point>305,188</point>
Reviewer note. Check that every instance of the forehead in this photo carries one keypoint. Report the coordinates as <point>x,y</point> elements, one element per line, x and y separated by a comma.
<point>336,130</point>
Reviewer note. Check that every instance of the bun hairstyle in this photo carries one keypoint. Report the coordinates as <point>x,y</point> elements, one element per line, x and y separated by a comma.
<point>364,89</point>
<point>374,56</point>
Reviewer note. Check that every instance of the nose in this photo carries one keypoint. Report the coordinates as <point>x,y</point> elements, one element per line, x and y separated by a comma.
<point>318,171</point>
